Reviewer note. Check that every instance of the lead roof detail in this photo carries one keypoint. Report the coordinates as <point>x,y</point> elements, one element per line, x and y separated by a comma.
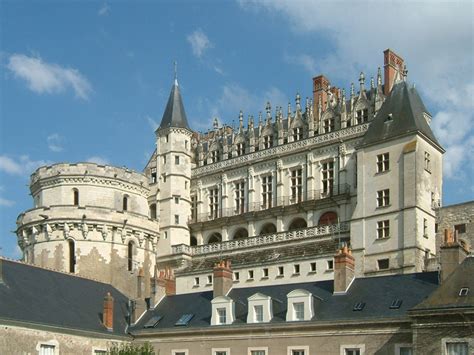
<point>174,115</point>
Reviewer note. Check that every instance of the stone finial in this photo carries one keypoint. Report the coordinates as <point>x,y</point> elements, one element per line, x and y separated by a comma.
<point>352,90</point>
<point>405,72</point>
<point>268,109</point>
<point>379,76</point>
<point>215,123</point>
<point>372,83</point>
<point>289,110</point>
<point>307,105</point>
<point>298,102</point>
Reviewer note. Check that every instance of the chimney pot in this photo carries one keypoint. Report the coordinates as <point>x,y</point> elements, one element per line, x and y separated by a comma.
<point>343,269</point>
<point>222,278</point>
<point>108,313</point>
<point>393,67</point>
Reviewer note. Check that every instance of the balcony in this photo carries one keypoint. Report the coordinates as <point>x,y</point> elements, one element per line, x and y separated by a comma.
<point>281,201</point>
<point>252,242</point>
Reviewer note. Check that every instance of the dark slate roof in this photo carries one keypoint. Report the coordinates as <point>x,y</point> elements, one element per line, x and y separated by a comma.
<point>406,108</point>
<point>252,256</point>
<point>377,292</point>
<point>174,115</point>
<point>447,295</point>
<point>34,295</point>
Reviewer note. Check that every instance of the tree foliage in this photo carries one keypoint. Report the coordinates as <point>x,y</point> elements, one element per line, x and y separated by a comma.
<point>131,349</point>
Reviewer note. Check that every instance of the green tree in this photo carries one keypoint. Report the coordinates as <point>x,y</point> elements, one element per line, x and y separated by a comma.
<point>131,349</point>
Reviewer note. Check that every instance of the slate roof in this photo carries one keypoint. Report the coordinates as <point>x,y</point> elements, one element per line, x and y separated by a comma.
<point>44,297</point>
<point>406,109</point>
<point>377,292</point>
<point>174,115</point>
<point>447,295</point>
<point>256,255</point>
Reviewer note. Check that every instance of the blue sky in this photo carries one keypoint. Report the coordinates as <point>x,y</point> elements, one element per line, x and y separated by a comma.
<point>88,80</point>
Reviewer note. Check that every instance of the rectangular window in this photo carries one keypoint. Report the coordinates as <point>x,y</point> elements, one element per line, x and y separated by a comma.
<point>329,125</point>
<point>265,272</point>
<point>281,271</point>
<point>383,162</point>
<point>209,279</point>
<point>405,350</point>
<point>298,309</point>
<point>214,156</point>
<point>427,162</point>
<point>258,352</point>
<point>296,185</point>
<point>221,316</point>
<point>164,159</point>
<point>220,353</point>
<point>47,349</point>
<point>258,313</point>
<point>383,229</point>
<point>236,276</point>
<point>250,274</point>
<point>353,351</point>
<point>296,269</point>
<point>383,198</point>
<point>383,264</point>
<point>213,203</point>
<point>194,208</point>
<point>330,264</point>
<point>185,144</point>
<point>457,348</point>
<point>425,228</point>
<point>297,134</point>
<point>176,219</point>
<point>100,352</point>
<point>460,228</point>
<point>298,352</point>
<point>267,192</point>
<point>196,281</point>
<point>312,267</point>
<point>176,160</point>
<point>239,197</point>
<point>267,142</point>
<point>176,200</point>
<point>362,116</point>
<point>153,175</point>
<point>327,177</point>
<point>240,149</point>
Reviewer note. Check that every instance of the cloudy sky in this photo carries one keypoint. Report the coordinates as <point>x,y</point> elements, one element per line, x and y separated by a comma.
<point>88,81</point>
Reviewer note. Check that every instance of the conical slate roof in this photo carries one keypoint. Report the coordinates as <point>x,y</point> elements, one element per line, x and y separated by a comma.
<point>174,115</point>
<point>402,113</point>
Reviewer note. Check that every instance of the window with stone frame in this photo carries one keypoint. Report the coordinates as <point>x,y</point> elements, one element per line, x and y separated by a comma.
<point>267,191</point>
<point>153,175</point>
<point>296,185</point>
<point>298,309</point>
<point>240,147</point>
<point>268,141</point>
<point>383,162</point>
<point>221,316</point>
<point>46,349</point>
<point>329,125</point>
<point>362,116</point>
<point>214,156</point>
<point>213,203</point>
<point>258,313</point>
<point>193,207</point>
<point>327,173</point>
<point>239,197</point>
<point>427,162</point>
<point>383,229</point>
<point>297,134</point>
<point>457,348</point>
<point>383,198</point>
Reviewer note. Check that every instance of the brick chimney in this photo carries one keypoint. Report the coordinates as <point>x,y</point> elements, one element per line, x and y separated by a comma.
<point>452,253</point>
<point>108,314</point>
<point>222,279</point>
<point>393,66</point>
<point>343,270</point>
<point>320,88</point>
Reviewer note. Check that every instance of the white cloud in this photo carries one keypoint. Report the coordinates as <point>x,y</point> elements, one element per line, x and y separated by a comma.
<point>6,203</point>
<point>22,166</point>
<point>199,42</point>
<point>42,77</point>
<point>98,160</point>
<point>104,9</point>
<point>55,142</point>
<point>434,37</point>
<point>153,124</point>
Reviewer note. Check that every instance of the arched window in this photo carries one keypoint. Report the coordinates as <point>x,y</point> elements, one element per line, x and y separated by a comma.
<point>268,228</point>
<point>297,223</point>
<point>125,203</point>
<point>153,211</point>
<point>75,193</point>
<point>328,218</point>
<point>130,251</point>
<point>241,233</point>
<point>72,256</point>
<point>193,241</point>
<point>214,238</point>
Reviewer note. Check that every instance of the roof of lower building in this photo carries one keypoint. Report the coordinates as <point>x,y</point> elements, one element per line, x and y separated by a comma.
<point>43,297</point>
<point>377,294</point>
<point>402,112</point>
<point>174,115</point>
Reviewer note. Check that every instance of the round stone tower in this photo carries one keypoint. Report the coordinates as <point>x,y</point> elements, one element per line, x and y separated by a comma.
<point>91,220</point>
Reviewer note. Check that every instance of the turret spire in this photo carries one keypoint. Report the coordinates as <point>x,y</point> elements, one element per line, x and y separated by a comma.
<point>174,115</point>
<point>176,73</point>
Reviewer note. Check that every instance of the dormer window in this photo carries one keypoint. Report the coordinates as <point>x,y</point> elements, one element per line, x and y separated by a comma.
<point>300,305</point>
<point>329,125</point>
<point>214,156</point>
<point>240,149</point>
<point>297,134</point>
<point>258,313</point>
<point>464,291</point>
<point>268,142</point>
<point>223,310</point>
<point>222,316</point>
<point>259,308</point>
<point>362,116</point>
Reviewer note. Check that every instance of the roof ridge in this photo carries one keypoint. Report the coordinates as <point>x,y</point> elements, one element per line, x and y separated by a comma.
<point>52,269</point>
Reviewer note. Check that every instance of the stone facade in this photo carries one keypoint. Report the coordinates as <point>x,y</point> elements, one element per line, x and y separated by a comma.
<point>459,219</point>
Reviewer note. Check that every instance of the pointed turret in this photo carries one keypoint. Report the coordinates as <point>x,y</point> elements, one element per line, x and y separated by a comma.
<point>174,115</point>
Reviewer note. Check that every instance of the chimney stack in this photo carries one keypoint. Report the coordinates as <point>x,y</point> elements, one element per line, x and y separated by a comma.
<point>452,253</point>
<point>222,279</point>
<point>343,270</point>
<point>393,67</point>
<point>108,314</point>
<point>320,92</point>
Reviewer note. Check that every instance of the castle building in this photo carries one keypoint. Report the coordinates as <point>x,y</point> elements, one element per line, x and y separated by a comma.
<point>279,221</point>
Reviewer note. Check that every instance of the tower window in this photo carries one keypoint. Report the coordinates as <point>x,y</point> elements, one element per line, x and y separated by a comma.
<point>427,162</point>
<point>176,160</point>
<point>75,193</point>
<point>153,175</point>
<point>153,211</point>
<point>72,256</point>
<point>125,203</point>
<point>383,264</point>
<point>383,229</point>
<point>130,255</point>
<point>383,198</point>
<point>176,219</point>
<point>425,228</point>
